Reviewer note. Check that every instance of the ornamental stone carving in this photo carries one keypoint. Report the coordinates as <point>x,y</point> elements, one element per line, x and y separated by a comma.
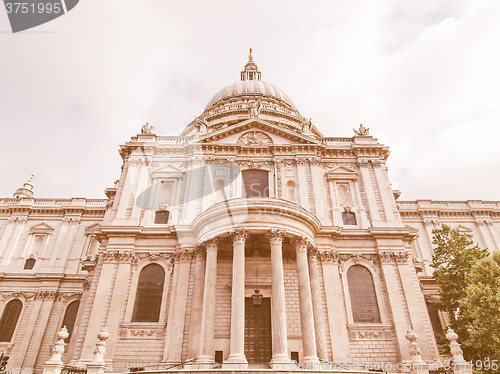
<point>276,235</point>
<point>367,335</point>
<point>18,219</point>
<point>239,235</point>
<point>394,257</point>
<point>255,138</point>
<point>254,164</point>
<point>331,257</point>
<point>346,165</point>
<point>147,129</point>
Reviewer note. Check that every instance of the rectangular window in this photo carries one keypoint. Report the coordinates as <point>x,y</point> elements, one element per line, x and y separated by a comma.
<point>256,183</point>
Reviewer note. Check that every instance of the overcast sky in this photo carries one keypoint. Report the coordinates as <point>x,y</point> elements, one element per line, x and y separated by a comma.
<point>423,75</point>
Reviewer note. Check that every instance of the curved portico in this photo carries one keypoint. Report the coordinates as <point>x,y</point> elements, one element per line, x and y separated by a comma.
<point>264,245</point>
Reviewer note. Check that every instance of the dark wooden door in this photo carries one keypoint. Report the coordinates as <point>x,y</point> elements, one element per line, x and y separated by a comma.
<point>258,343</point>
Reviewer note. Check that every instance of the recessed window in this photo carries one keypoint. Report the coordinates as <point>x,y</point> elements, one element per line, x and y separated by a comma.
<point>363,297</point>
<point>349,218</point>
<point>161,216</point>
<point>29,264</point>
<point>9,319</point>
<point>256,183</point>
<point>149,294</point>
<point>435,320</point>
<point>70,317</point>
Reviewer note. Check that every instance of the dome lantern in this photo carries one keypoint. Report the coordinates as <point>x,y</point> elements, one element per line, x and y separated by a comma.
<point>251,71</point>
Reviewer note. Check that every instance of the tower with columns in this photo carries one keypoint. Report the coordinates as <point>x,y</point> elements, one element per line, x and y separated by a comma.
<point>249,241</point>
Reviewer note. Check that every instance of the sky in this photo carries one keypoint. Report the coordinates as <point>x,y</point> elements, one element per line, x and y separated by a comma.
<point>423,75</point>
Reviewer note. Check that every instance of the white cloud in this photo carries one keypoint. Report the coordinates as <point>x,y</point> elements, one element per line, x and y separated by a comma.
<point>423,75</point>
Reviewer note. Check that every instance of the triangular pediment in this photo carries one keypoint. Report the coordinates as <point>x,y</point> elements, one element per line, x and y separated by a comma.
<point>341,172</point>
<point>257,132</point>
<point>168,170</point>
<point>41,228</point>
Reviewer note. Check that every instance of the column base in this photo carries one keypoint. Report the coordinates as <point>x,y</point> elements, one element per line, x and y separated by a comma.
<point>235,361</point>
<point>280,361</point>
<point>311,360</point>
<point>205,362</point>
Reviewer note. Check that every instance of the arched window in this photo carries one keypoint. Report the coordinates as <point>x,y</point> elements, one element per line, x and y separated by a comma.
<point>290,186</point>
<point>363,297</point>
<point>70,317</point>
<point>256,183</point>
<point>9,319</point>
<point>149,292</point>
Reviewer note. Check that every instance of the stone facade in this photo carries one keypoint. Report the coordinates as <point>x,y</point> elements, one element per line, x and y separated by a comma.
<point>251,196</point>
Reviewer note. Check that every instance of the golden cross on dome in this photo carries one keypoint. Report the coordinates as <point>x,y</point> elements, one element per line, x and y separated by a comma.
<point>250,57</point>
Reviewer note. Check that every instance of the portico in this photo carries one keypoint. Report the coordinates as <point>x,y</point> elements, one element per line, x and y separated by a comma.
<point>265,251</point>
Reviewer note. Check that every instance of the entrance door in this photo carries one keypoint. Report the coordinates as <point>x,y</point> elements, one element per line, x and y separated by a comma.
<point>258,343</point>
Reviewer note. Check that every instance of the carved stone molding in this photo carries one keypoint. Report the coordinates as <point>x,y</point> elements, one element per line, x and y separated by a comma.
<point>71,220</point>
<point>343,257</point>
<point>484,222</point>
<point>331,257</point>
<point>175,164</point>
<point>394,257</point>
<point>116,256</point>
<point>63,296</point>
<point>143,331</point>
<point>432,222</point>
<point>373,332</point>
<point>347,165</point>
<point>41,295</point>
<point>254,163</point>
<point>255,138</point>
<point>18,219</point>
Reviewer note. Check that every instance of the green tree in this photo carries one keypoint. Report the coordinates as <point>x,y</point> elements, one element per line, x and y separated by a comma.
<point>453,260</point>
<point>480,307</point>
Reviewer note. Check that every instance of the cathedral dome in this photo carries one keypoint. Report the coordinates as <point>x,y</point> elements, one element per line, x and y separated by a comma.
<point>251,85</point>
<point>251,88</point>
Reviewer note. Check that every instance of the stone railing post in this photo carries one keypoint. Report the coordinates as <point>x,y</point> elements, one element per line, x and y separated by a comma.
<point>416,365</point>
<point>460,366</point>
<point>97,365</point>
<point>54,365</point>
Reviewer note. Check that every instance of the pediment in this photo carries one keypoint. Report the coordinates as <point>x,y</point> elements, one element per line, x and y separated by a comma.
<point>257,132</point>
<point>41,228</point>
<point>167,171</point>
<point>92,228</point>
<point>341,172</point>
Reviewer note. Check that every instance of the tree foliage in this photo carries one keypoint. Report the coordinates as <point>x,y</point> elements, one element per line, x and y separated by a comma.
<point>480,307</point>
<point>454,258</point>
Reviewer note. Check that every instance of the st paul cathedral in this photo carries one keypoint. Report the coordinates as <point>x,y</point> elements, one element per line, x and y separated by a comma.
<point>248,241</point>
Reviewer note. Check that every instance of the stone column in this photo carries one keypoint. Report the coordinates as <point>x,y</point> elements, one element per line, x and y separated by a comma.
<point>319,326</point>
<point>197,304</point>
<point>278,311</point>
<point>206,357</point>
<point>237,344</point>
<point>305,299</point>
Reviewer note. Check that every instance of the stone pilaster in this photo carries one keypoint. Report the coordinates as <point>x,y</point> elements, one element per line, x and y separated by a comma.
<point>278,311</point>
<point>306,310</point>
<point>237,343</point>
<point>206,357</point>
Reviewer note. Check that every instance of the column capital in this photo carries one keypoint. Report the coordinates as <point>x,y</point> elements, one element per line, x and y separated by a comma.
<point>239,235</point>
<point>211,244</point>
<point>300,244</point>
<point>276,235</point>
<point>313,253</point>
<point>199,251</point>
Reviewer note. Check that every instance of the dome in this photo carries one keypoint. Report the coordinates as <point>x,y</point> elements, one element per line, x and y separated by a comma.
<point>250,88</point>
<point>251,85</point>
